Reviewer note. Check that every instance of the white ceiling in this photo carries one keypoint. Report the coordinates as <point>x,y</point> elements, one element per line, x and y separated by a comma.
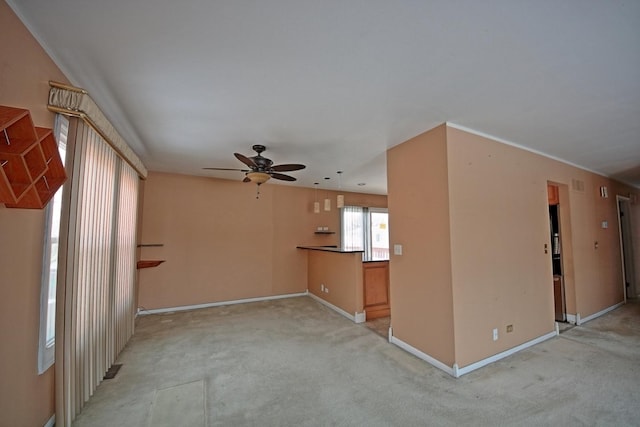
<point>333,84</point>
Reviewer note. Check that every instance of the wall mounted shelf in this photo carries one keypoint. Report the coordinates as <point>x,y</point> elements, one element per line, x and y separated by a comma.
<point>31,170</point>
<point>149,263</point>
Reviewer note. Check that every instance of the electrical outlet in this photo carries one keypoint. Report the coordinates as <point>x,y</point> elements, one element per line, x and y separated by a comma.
<point>495,334</point>
<point>322,288</point>
<point>326,289</point>
<point>509,328</point>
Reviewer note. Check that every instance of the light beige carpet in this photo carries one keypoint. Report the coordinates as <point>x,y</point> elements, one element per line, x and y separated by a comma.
<point>180,405</point>
<point>294,362</point>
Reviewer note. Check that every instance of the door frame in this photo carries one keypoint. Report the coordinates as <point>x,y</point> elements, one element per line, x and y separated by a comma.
<point>624,255</point>
<point>566,255</point>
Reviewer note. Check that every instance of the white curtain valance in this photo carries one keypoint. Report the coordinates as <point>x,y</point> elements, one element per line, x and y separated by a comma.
<point>77,102</point>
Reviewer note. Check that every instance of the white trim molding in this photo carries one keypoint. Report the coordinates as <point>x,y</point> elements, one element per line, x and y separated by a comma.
<point>522,147</point>
<point>144,312</point>
<point>502,355</point>
<point>420,355</point>
<point>355,318</point>
<point>456,371</point>
<point>51,421</point>
<point>598,314</point>
<point>571,318</point>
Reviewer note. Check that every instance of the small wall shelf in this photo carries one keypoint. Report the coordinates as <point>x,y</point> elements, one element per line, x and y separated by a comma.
<point>149,263</point>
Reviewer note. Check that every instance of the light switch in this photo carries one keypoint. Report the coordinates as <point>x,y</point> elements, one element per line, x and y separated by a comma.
<point>605,224</point>
<point>397,249</point>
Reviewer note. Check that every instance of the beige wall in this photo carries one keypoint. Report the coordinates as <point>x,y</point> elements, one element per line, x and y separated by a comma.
<point>26,398</point>
<point>476,227</point>
<point>499,226</point>
<point>420,278</point>
<point>221,244</point>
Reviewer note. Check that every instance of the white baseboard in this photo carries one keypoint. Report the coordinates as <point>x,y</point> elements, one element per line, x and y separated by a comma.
<point>334,308</point>
<point>218,304</point>
<point>51,422</point>
<point>571,318</point>
<point>419,354</point>
<point>457,372</point>
<point>598,314</point>
<point>502,355</point>
<point>361,317</point>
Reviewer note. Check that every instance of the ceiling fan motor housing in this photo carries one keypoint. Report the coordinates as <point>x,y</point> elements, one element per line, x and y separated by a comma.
<point>262,163</point>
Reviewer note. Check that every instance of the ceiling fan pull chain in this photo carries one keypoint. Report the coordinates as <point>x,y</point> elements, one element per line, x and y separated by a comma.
<point>258,191</point>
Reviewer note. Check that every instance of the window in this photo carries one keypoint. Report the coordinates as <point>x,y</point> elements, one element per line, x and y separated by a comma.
<point>379,234</point>
<point>53,210</point>
<point>366,229</point>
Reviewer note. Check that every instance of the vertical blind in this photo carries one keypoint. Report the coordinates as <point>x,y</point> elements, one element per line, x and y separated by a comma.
<point>99,274</point>
<point>365,229</point>
<point>353,228</point>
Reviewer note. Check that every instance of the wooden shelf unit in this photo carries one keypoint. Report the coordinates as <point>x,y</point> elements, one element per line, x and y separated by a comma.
<point>31,170</point>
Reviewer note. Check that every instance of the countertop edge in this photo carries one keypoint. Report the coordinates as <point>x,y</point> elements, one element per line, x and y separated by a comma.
<point>328,249</point>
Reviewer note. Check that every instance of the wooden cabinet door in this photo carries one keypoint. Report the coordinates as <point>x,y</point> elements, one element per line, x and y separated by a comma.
<point>376,289</point>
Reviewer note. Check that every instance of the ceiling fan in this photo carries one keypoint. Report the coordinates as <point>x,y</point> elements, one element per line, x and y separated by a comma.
<point>262,169</point>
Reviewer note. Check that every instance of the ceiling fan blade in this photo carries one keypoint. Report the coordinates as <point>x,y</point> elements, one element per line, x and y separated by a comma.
<point>246,160</point>
<point>282,176</point>
<point>246,179</point>
<point>227,169</point>
<point>287,168</point>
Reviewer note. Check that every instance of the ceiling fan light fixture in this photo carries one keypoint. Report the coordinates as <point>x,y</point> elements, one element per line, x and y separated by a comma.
<point>262,169</point>
<point>258,177</point>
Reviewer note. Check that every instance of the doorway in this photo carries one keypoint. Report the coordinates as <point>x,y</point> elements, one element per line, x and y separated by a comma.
<point>626,249</point>
<point>559,299</point>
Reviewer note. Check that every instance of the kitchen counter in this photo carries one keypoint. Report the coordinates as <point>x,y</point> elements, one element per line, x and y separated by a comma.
<point>334,278</point>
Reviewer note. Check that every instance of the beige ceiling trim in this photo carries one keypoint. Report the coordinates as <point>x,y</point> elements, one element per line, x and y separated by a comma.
<point>76,102</point>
